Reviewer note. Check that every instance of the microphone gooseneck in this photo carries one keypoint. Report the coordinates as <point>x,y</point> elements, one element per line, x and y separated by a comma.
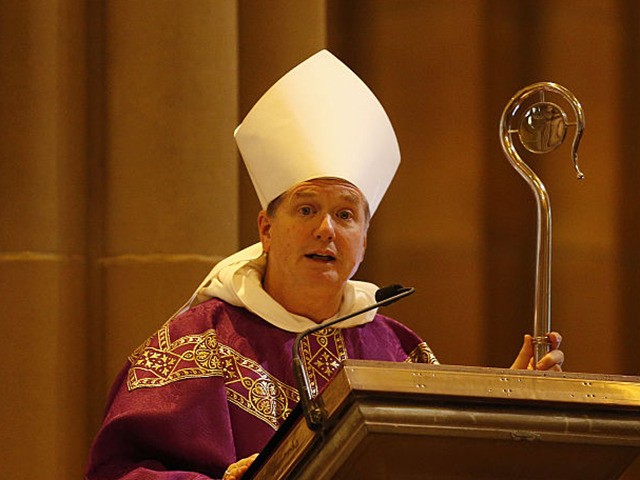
<point>313,411</point>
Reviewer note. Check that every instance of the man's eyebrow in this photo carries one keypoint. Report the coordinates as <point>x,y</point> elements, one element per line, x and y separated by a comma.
<point>351,197</point>
<point>304,193</point>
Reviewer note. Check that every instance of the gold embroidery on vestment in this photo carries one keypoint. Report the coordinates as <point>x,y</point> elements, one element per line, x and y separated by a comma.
<point>422,354</point>
<point>265,397</point>
<point>323,363</point>
<point>248,385</point>
<point>190,356</point>
<point>200,356</point>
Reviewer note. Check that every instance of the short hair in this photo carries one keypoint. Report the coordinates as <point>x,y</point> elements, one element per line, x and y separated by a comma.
<point>272,208</point>
<point>275,203</point>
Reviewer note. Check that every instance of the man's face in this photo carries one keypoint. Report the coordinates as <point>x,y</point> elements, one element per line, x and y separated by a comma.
<point>317,234</point>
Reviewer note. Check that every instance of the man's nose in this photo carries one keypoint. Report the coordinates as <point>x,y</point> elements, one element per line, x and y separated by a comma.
<point>325,230</point>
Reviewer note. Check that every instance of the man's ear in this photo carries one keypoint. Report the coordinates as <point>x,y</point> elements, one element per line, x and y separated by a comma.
<point>264,229</point>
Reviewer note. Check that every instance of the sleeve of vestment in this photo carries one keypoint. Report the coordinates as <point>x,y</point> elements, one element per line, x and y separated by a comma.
<point>163,427</point>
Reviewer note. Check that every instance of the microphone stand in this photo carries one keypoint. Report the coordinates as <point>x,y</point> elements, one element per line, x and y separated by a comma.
<point>313,410</point>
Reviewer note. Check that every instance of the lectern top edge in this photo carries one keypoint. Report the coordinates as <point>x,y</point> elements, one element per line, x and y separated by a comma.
<point>584,389</point>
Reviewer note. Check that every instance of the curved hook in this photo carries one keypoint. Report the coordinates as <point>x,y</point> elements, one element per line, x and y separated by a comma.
<point>542,129</point>
<point>550,116</point>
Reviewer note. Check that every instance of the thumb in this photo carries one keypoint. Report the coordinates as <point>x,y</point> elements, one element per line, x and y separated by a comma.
<point>525,355</point>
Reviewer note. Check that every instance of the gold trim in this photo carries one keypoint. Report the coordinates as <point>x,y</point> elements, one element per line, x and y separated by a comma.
<point>169,362</point>
<point>264,397</point>
<point>422,354</point>
<point>248,384</point>
<point>323,363</point>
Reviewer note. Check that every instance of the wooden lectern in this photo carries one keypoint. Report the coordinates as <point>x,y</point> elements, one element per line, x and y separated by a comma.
<point>411,421</point>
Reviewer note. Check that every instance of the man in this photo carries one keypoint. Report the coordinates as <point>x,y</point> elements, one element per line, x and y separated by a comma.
<point>207,391</point>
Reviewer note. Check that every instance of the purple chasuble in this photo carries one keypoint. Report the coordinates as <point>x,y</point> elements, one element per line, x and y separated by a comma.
<point>213,385</point>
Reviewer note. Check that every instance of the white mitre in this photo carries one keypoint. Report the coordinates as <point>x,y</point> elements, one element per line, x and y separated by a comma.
<point>319,120</point>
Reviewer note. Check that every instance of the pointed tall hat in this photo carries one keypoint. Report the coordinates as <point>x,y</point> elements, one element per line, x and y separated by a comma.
<point>319,120</point>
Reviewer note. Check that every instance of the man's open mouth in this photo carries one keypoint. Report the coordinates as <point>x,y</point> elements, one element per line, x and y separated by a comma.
<point>320,258</point>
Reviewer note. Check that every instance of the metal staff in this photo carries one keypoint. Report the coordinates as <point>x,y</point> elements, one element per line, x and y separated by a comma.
<point>542,128</point>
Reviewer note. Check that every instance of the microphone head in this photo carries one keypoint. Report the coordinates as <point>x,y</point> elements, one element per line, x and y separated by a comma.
<point>389,291</point>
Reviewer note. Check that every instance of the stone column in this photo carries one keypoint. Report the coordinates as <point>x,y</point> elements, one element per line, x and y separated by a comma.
<point>118,191</point>
<point>42,243</point>
<point>169,161</point>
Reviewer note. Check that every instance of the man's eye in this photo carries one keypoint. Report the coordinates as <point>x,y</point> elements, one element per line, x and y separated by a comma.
<point>305,211</point>
<point>345,215</point>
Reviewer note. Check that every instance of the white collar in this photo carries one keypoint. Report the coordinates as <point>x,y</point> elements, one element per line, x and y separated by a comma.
<point>238,280</point>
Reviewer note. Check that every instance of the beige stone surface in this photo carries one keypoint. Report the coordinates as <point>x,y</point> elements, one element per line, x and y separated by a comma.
<point>140,295</point>
<point>170,111</point>
<point>42,126</point>
<point>44,368</point>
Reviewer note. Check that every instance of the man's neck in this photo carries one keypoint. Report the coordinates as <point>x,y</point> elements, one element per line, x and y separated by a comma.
<point>312,302</point>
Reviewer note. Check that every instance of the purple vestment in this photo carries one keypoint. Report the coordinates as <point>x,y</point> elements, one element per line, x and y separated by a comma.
<point>213,385</point>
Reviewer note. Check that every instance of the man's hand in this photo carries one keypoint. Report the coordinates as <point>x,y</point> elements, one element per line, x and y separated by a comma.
<point>551,361</point>
<point>236,470</point>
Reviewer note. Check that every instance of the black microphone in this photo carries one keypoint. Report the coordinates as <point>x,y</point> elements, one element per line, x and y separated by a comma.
<point>313,412</point>
<point>392,293</point>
